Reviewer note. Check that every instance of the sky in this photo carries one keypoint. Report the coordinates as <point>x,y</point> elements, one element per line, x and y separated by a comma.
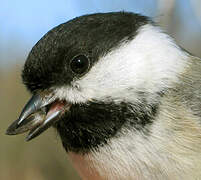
<point>24,22</point>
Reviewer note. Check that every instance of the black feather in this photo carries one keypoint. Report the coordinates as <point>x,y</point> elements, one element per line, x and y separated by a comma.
<point>88,126</point>
<point>91,35</point>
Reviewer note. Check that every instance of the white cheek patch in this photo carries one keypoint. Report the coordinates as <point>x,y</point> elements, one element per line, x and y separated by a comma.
<point>148,63</point>
<point>70,94</point>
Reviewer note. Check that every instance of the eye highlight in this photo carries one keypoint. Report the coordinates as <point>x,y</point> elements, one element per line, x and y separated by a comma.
<point>79,64</point>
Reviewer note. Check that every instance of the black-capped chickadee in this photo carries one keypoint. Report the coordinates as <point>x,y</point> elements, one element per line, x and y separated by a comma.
<point>125,99</point>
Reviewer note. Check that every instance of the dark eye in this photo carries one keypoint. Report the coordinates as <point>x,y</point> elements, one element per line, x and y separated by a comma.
<point>79,64</point>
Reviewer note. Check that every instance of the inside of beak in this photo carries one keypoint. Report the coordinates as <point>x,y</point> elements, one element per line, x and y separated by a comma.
<point>38,115</point>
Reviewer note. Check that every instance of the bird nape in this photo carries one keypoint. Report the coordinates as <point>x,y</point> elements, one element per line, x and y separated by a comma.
<point>122,95</point>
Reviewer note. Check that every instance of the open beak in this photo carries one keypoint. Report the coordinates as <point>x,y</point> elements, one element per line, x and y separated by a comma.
<point>40,113</point>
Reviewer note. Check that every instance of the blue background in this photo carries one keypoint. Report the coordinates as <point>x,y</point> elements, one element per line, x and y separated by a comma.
<point>24,22</point>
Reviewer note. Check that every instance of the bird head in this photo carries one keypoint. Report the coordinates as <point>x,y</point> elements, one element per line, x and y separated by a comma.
<point>94,76</point>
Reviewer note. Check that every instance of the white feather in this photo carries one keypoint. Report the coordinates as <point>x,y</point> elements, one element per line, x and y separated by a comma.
<point>170,151</point>
<point>148,63</point>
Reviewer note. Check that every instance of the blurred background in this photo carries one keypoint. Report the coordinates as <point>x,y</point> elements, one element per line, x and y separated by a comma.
<point>22,24</point>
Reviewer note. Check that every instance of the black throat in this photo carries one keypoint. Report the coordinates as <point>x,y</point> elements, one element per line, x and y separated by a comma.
<point>89,126</point>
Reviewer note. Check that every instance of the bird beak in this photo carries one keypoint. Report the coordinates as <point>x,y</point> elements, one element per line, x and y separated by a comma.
<point>41,112</point>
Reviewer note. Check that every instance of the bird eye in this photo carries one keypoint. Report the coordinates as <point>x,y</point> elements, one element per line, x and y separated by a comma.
<point>79,64</point>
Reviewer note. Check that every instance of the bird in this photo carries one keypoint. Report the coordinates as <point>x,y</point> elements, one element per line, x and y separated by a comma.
<point>124,98</point>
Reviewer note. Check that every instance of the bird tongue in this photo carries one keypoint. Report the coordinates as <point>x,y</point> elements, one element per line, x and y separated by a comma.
<point>57,106</point>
